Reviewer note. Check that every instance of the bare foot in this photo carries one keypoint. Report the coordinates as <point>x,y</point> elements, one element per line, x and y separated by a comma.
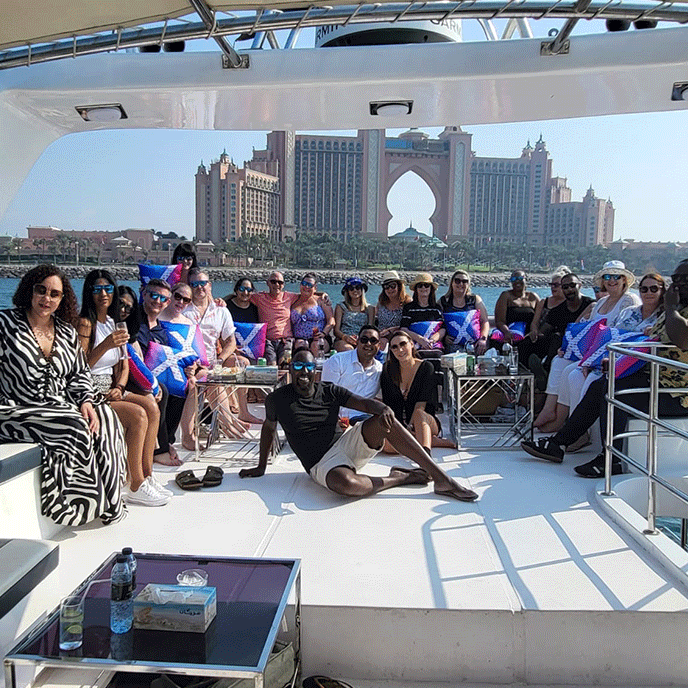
<point>250,418</point>
<point>453,490</point>
<point>414,476</point>
<point>174,456</point>
<point>443,442</point>
<point>166,460</point>
<point>189,443</point>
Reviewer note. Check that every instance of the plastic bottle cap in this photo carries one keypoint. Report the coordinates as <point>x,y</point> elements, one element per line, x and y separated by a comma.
<point>121,559</point>
<point>127,551</point>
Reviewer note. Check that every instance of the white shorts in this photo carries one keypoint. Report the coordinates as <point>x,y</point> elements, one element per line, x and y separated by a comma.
<point>350,450</point>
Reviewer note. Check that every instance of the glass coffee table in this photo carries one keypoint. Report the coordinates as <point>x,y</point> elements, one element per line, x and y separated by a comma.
<point>258,607</point>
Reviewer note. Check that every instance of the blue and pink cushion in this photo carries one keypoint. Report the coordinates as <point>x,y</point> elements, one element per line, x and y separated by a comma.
<point>517,329</point>
<point>426,328</point>
<point>463,326</point>
<point>250,338</point>
<point>168,366</point>
<point>170,273</point>
<point>579,337</point>
<point>626,363</point>
<point>140,373</point>
<point>189,338</point>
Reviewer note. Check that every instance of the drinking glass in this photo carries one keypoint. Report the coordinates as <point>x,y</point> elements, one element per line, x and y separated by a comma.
<point>122,326</point>
<point>71,623</point>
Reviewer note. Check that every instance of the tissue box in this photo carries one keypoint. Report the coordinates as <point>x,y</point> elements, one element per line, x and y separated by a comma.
<point>175,608</point>
<point>261,375</point>
<point>455,362</point>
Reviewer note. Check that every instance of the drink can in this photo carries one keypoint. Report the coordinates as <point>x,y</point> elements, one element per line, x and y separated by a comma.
<point>262,361</point>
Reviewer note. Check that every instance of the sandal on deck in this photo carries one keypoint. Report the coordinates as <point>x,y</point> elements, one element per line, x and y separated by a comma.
<point>213,476</point>
<point>187,480</point>
<point>323,682</point>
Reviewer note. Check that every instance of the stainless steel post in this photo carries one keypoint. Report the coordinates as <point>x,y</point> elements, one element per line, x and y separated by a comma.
<point>610,423</point>
<point>652,450</point>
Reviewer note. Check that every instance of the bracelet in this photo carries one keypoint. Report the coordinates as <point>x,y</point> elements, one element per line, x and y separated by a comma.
<point>120,387</point>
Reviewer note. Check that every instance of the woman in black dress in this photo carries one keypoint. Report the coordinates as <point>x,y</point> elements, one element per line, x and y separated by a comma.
<point>409,388</point>
<point>47,397</point>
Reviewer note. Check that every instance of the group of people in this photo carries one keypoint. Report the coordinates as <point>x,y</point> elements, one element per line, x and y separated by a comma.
<point>66,378</point>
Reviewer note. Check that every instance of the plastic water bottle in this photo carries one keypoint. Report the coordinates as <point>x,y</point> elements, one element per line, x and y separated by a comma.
<point>470,359</point>
<point>121,602</point>
<point>131,559</point>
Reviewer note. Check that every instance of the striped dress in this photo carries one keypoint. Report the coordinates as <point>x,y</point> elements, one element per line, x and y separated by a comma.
<point>82,474</point>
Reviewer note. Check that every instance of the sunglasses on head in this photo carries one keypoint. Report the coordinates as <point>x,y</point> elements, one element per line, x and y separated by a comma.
<point>306,283</point>
<point>107,288</point>
<point>653,288</point>
<point>364,339</point>
<point>517,278</point>
<point>460,280</point>
<point>198,283</point>
<point>309,366</point>
<point>245,289</point>
<point>158,297</point>
<point>42,290</point>
<point>274,281</point>
<point>606,278</point>
<point>179,297</point>
<point>401,345</point>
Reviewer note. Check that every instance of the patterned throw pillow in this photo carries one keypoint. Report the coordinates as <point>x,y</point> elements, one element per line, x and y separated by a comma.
<point>579,337</point>
<point>169,273</point>
<point>517,329</point>
<point>189,338</point>
<point>250,338</point>
<point>140,373</point>
<point>463,326</point>
<point>426,328</point>
<point>626,363</point>
<point>168,366</point>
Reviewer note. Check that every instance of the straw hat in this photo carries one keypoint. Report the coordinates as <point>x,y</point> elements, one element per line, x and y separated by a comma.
<point>614,267</point>
<point>391,276</point>
<point>423,278</point>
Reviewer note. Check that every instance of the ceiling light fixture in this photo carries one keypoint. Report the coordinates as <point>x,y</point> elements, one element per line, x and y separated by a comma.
<point>391,108</point>
<point>106,112</point>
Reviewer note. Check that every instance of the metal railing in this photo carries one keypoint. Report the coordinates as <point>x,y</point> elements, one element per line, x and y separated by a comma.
<point>654,422</point>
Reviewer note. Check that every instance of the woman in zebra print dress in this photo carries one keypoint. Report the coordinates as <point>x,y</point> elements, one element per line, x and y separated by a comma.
<point>47,397</point>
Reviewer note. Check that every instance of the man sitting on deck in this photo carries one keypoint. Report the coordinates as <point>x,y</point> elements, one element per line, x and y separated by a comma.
<point>308,413</point>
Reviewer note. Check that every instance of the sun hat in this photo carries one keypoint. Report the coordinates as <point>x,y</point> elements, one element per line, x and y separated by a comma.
<point>423,278</point>
<point>391,276</point>
<point>354,282</point>
<point>614,267</point>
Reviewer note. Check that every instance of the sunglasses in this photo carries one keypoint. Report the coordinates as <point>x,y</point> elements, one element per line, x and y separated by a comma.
<point>423,285</point>
<point>125,308</point>
<point>245,289</point>
<point>680,278</point>
<point>274,281</point>
<point>158,297</point>
<point>354,287</point>
<point>183,299</point>
<point>181,259</point>
<point>516,278</point>
<point>459,280</point>
<point>306,283</point>
<point>42,290</point>
<point>390,285</point>
<point>570,285</point>
<point>555,284</point>
<point>401,345</point>
<point>198,283</point>
<point>301,365</point>
<point>653,288</point>
<point>606,278</point>
<point>368,340</point>
<point>99,288</point>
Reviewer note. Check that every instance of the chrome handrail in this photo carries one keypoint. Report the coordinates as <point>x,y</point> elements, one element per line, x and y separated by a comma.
<point>651,417</point>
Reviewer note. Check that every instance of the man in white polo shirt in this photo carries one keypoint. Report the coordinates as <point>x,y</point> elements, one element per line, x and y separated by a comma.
<point>357,370</point>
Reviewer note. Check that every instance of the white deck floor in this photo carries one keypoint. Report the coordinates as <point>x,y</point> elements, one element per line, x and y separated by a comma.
<point>529,584</point>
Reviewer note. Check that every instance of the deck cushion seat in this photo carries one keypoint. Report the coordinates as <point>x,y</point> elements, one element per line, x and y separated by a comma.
<point>16,459</point>
<point>23,565</point>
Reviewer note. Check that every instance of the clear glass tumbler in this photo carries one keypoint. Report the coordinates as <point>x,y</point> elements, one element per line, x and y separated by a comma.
<point>71,623</point>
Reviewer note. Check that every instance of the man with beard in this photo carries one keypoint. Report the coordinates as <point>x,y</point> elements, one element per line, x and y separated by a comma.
<point>308,413</point>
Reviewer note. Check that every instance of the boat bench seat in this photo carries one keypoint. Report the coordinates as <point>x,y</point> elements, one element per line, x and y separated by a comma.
<point>16,459</point>
<point>672,450</point>
<point>23,565</point>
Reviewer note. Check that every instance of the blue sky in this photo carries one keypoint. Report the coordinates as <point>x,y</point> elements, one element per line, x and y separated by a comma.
<point>121,179</point>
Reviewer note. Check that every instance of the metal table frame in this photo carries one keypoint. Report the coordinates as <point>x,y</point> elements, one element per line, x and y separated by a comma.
<point>14,658</point>
<point>505,431</point>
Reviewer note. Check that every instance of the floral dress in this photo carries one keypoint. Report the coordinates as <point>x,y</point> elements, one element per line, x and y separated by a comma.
<point>40,398</point>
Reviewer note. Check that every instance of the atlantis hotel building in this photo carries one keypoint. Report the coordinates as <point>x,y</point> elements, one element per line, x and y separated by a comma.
<point>338,186</point>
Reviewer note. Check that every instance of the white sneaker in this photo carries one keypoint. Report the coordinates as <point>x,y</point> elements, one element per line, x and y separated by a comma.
<point>158,487</point>
<point>146,495</point>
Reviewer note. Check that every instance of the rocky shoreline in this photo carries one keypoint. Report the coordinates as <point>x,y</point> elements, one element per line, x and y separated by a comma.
<point>230,274</point>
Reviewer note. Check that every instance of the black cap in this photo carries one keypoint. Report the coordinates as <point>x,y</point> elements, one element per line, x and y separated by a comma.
<point>127,551</point>
<point>121,558</point>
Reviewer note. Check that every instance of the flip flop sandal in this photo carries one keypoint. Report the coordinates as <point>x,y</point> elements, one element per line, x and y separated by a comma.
<point>213,476</point>
<point>323,682</point>
<point>187,480</point>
